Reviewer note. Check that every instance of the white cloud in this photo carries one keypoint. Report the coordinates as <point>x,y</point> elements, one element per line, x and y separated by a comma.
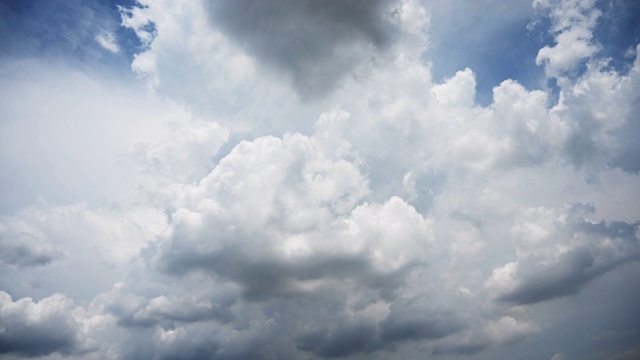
<point>458,91</point>
<point>108,41</point>
<point>573,23</point>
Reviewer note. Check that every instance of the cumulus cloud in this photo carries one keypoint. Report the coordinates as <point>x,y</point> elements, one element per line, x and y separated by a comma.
<point>40,328</point>
<point>288,180</point>
<point>315,43</point>
<point>302,210</point>
<point>560,252</point>
<point>342,339</point>
<point>573,24</point>
<point>408,320</point>
<point>415,320</point>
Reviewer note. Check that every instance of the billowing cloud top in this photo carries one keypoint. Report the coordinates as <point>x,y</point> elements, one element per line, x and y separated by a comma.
<point>289,180</point>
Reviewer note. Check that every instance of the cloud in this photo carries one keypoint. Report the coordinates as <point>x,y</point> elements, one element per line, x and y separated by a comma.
<point>560,252</point>
<point>416,320</point>
<point>80,137</point>
<point>408,320</point>
<point>524,116</point>
<point>23,249</point>
<point>204,341</point>
<point>316,44</point>
<point>626,150</point>
<point>108,41</point>
<point>359,336</point>
<point>161,309</point>
<point>302,211</point>
<point>40,328</point>
<point>208,53</point>
<point>76,31</point>
<point>288,180</point>
<point>59,238</point>
<point>491,333</point>
<point>507,330</point>
<point>573,23</point>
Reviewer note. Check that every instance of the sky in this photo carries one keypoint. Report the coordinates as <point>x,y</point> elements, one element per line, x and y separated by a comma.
<point>302,179</point>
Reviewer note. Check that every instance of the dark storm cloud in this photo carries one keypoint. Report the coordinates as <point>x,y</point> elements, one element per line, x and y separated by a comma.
<point>358,336</point>
<point>263,277</point>
<point>30,342</point>
<point>461,349</point>
<point>24,250</point>
<point>315,42</point>
<point>37,329</point>
<point>407,322</point>
<point>412,320</point>
<point>564,278</point>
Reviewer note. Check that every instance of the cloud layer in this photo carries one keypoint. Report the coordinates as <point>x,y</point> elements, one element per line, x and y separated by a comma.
<point>286,179</point>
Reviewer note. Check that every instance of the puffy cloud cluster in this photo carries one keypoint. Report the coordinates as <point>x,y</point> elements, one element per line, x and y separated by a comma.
<point>573,24</point>
<point>40,328</point>
<point>294,184</point>
<point>296,203</point>
<point>559,252</point>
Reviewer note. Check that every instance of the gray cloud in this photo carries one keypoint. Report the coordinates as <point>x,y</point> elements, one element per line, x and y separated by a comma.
<point>24,250</point>
<point>166,311</point>
<point>315,42</point>
<point>414,320</point>
<point>594,248</point>
<point>627,154</point>
<point>342,339</point>
<point>408,320</point>
<point>581,146</point>
<point>41,328</point>
<point>272,246</point>
<point>566,277</point>
<point>203,341</point>
<point>460,349</point>
<point>265,278</point>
